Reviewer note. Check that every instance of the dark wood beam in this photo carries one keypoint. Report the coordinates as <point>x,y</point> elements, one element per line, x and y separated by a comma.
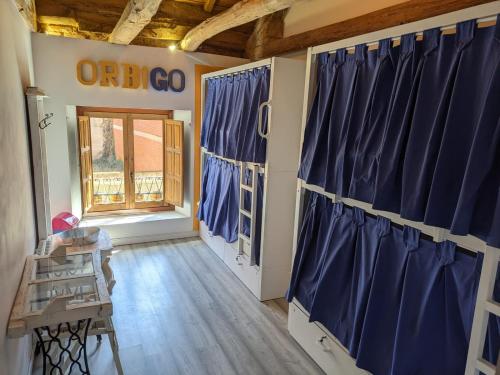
<point>215,48</point>
<point>218,50</point>
<point>266,29</point>
<point>409,11</point>
<point>96,19</point>
<point>183,13</point>
<point>209,5</point>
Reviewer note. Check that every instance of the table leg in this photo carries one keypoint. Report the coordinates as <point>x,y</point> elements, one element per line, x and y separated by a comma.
<point>64,336</point>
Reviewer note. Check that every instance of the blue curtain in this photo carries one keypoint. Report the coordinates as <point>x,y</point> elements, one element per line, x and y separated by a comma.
<point>210,100</point>
<point>399,302</point>
<point>251,147</point>
<point>420,309</point>
<point>387,191</point>
<point>219,201</point>
<point>308,258</point>
<point>315,147</point>
<point>247,179</point>
<point>364,170</point>
<point>229,127</point>
<point>413,129</point>
<point>350,101</point>
<point>346,273</point>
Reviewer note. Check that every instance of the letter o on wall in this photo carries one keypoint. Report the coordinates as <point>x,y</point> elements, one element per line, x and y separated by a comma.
<point>182,80</point>
<point>93,72</point>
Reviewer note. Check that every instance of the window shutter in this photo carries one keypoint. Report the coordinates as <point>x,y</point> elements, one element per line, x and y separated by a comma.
<point>174,176</point>
<point>85,162</point>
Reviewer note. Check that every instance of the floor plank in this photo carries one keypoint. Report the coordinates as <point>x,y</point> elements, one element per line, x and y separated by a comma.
<point>179,310</point>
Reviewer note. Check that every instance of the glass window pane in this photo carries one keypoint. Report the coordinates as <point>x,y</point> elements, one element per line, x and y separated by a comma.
<point>107,160</point>
<point>148,160</point>
<point>63,266</point>
<point>81,290</point>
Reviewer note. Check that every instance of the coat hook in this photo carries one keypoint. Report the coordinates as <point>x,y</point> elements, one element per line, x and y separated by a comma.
<point>42,124</point>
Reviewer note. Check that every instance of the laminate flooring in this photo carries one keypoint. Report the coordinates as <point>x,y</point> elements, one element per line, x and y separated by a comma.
<point>179,310</point>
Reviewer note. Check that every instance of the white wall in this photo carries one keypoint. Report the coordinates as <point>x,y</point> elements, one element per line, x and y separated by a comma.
<point>55,70</point>
<point>17,227</point>
<point>310,14</point>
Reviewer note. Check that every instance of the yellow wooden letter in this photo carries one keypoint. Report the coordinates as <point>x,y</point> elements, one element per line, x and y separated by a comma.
<point>109,73</point>
<point>145,77</point>
<point>93,74</point>
<point>131,76</point>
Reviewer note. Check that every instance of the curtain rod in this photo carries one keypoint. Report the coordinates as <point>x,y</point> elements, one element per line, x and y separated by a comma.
<point>421,33</point>
<point>468,242</point>
<point>239,71</point>
<point>233,161</point>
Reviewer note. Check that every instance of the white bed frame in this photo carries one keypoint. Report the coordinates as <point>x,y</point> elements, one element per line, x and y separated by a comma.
<point>270,279</point>
<point>320,344</point>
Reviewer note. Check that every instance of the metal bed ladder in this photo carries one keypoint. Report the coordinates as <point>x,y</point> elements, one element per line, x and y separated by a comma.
<point>485,305</point>
<point>244,241</point>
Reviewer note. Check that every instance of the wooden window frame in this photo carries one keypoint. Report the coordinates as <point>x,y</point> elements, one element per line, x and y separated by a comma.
<point>111,206</point>
<point>131,206</point>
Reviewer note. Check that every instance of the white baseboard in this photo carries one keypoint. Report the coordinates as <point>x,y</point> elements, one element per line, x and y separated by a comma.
<point>117,241</point>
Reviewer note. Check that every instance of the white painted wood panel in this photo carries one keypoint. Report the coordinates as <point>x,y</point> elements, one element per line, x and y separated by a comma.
<point>320,345</point>
<point>39,156</point>
<point>215,243</point>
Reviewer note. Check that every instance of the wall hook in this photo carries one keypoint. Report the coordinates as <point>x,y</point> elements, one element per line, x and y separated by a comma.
<point>42,124</point>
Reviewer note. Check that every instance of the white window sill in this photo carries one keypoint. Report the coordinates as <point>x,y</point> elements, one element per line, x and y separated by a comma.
<point>101,221</point>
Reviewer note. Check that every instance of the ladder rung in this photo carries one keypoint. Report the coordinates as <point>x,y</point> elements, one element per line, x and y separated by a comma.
<point>485,367</point>
<point>246,187</point>
<point>244,238</point>
<point>246,213</point>
<point>492,307</point>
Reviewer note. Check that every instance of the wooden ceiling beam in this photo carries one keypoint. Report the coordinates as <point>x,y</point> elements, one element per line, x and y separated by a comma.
<point>182,13</point>
<point>69,31</point>
<point>135,16</point>
<point>239,14</point>
<point>28,12</point>
<point>266,29</point>
<point>207,47</point>
<point>169,11</point>
<point>409,11</point>
<point>96,19</point>
<point>209,6</point>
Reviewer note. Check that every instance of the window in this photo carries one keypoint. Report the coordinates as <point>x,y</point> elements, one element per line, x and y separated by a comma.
<point>130,161</point>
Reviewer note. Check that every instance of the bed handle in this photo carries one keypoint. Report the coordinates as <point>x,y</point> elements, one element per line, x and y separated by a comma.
<point>322,342</point>
<point>260,123</point>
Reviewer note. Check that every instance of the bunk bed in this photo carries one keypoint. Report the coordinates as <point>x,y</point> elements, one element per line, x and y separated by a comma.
<point>397,238</point>
<point>250,150</point>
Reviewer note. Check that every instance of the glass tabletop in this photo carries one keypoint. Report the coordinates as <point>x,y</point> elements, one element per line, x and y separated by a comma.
<point>80,290</point>
<point>63,266</point>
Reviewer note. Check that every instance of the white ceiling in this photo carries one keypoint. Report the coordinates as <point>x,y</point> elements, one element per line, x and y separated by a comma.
<point>311,14</point>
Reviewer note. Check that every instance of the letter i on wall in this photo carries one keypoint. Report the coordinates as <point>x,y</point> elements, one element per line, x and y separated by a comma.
<point>131,76</point>
<point>145,78</point>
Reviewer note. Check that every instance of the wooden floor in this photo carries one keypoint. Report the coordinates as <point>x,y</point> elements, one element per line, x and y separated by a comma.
<point>179,310</point>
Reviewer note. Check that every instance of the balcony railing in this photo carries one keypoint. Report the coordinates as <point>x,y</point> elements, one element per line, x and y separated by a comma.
<point>109,187</point>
